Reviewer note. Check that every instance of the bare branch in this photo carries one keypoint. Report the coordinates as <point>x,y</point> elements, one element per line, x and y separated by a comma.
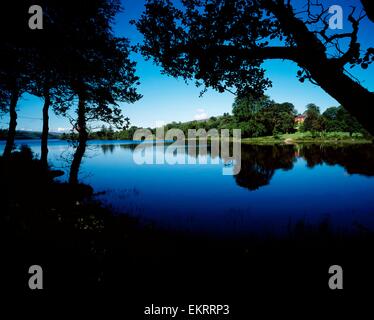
<point>353,51</point>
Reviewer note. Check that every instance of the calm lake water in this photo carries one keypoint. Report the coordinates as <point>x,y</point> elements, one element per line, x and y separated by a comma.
<point>277,187</point>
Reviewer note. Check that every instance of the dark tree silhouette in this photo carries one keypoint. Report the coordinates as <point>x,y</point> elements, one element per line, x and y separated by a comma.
<point>50,82</point>
<point>222,44</point>
<point>14,81</point>
<point>50,75</point>
<point>72,63</point>
<point>16,63</point>
<point>368,5</point>
<point>101,75</point>
<point>29,60</point>
<point>75,57</point>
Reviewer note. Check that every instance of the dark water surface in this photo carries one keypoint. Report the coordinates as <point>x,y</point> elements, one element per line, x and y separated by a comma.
<point>276,188</point>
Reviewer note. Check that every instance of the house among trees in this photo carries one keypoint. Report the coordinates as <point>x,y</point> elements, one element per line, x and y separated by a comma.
<point>299,119</point>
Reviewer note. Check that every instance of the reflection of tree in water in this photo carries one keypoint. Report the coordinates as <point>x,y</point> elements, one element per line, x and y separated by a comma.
<point>107,148</point>
<point>111,147</point>
<point>258,164</point>
<point>131,146</point>
<point>355,159</point>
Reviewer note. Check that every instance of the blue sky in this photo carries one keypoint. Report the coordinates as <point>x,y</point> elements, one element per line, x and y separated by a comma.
<point>168,99</point>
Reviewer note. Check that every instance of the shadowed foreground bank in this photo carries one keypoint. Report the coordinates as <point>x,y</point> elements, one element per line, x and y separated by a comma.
<point>83,247</point>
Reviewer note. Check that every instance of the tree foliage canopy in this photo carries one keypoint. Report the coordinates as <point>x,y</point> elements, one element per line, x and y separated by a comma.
<point>246,107</point>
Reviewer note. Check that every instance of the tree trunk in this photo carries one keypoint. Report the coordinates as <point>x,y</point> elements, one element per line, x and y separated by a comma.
<point>357,100</point>
<point>12,124</point>
<point>44,142</point>
<point>368,8</point>
<point>82,142</point>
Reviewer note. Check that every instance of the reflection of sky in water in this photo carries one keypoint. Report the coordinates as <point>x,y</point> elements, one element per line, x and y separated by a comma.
<point>199,197</point>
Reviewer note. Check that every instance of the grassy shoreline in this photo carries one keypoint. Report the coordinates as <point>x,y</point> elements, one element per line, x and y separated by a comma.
<point>289,138</point>
<point>307,137</point>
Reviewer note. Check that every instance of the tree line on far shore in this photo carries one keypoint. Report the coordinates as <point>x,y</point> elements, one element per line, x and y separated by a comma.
<point>256,117</point>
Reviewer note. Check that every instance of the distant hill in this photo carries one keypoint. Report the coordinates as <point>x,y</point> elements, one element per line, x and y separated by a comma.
<point>28,135</point>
